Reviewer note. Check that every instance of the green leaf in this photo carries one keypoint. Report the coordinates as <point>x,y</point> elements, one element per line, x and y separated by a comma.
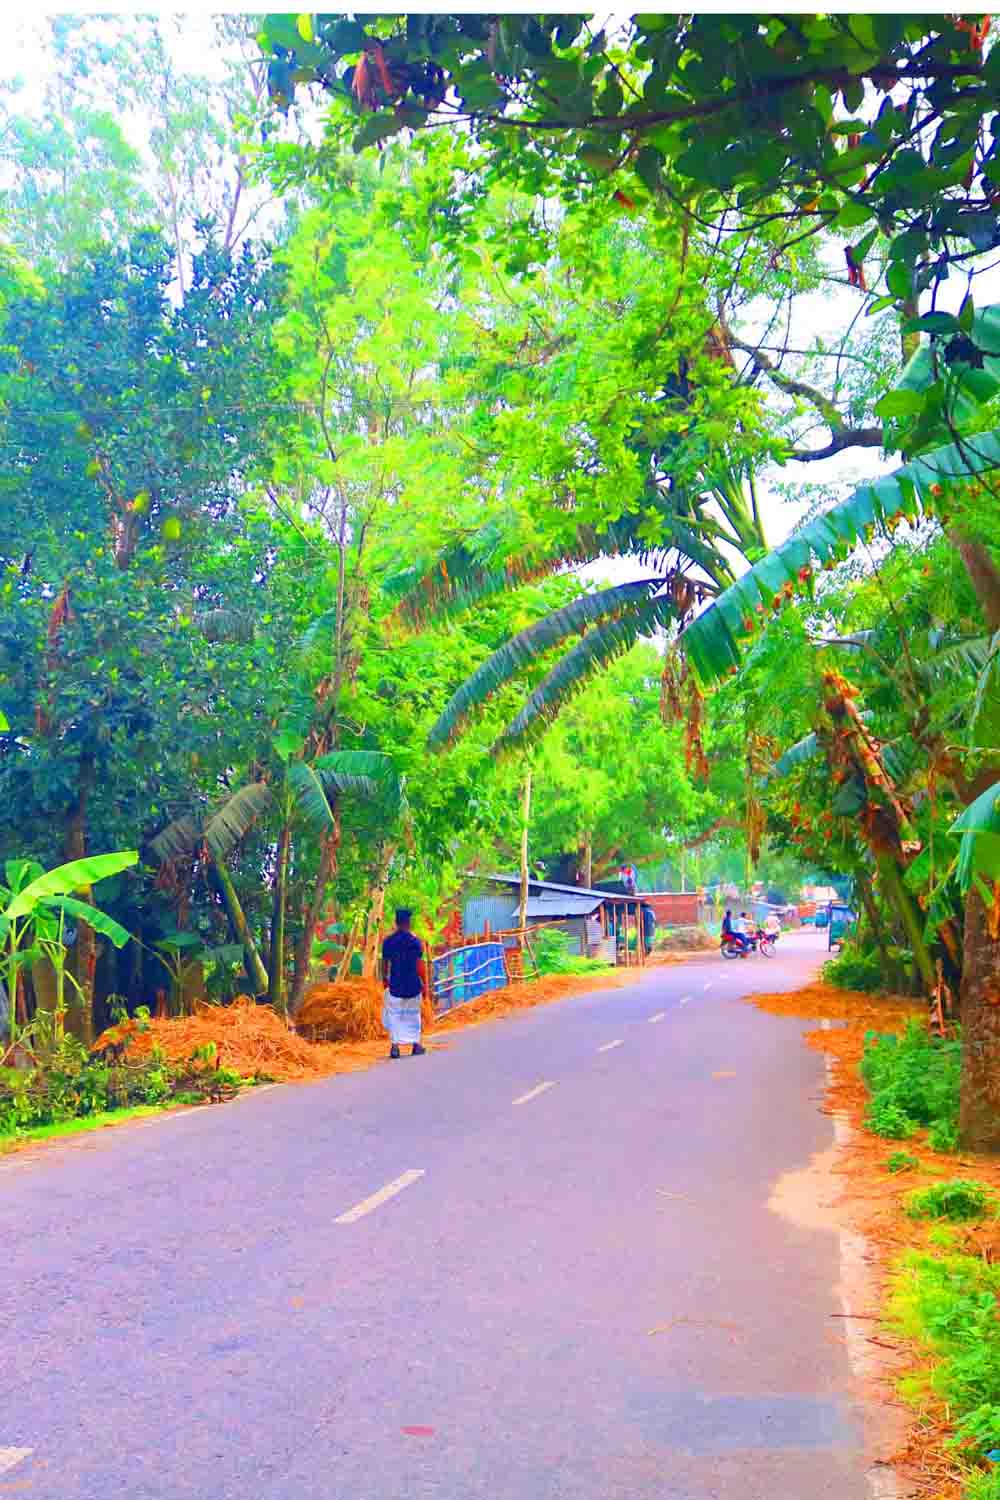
<point>4,724</point>
<point>98,920</point>
<point>796,755</point>
<point>77,875</point>
<point>896,404</point>
<point>979,824</point>
<point>303,25</point>
<point>934,322</point>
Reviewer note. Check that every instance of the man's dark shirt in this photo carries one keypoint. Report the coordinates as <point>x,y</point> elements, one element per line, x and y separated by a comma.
<point>400,953</point>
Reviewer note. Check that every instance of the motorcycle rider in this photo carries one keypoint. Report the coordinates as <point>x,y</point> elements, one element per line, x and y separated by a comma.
<point>733,930</point>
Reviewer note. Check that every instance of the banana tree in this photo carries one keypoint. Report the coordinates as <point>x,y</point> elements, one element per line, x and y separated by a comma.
<point>35,906</point>
<point>303,799</point>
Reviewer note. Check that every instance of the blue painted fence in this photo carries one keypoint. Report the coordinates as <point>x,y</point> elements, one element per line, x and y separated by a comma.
<point>465,973</point>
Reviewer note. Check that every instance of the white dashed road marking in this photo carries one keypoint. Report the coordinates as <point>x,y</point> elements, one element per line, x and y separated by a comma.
<point>658,1017</point>
<point>11,1456</point>
<point>377,1199</point>
<point>685,999</point>
<point>608,1045</point>
<point>534,1093</point>
<point>708,984</point>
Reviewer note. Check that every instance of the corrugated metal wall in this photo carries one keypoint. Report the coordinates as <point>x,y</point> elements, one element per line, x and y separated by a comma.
<point>499,909</point>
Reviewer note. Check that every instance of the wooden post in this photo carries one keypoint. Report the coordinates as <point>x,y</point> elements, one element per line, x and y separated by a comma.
<point>640,930</point>
<point>522,911</point>
<point>628,961</point>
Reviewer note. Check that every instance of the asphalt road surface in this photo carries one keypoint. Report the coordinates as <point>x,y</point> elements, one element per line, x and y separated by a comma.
<point>536,1264</point>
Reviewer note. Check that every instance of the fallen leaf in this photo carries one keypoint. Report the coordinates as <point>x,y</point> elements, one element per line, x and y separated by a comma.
<point>723,1075</point>
<point>418,1431</point>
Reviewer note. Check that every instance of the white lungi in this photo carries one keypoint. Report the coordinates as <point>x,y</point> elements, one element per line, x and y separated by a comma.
<point>401,1018</point>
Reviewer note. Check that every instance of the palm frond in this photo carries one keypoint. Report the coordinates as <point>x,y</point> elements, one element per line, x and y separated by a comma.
<point>599,647</point>
<point>467,574</point>
<point>231,823</point>
<point>528,645</point>
<point>311,796</point>
<point>177,839</point>
<point>713,640</point>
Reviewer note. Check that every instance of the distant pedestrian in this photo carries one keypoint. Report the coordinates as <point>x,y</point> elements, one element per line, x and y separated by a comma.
<point>404,973</point>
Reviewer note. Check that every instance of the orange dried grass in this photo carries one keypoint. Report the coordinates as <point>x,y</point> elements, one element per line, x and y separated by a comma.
<point>348,1010</point>
<point>251,1039</point>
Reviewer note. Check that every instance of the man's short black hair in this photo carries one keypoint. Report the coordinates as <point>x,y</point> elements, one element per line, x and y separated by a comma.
<point>403,916</point>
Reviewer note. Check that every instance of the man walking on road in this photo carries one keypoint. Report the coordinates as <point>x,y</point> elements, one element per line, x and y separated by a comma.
<point>404,973</point>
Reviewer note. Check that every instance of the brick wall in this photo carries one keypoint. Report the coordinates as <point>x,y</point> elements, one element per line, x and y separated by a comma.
<point>673,908</point>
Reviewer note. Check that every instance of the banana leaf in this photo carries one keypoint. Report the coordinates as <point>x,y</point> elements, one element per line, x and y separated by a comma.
<point>528,645</point>
<point>77,875</point>
<point>713,641</point>
<point>598,647</point>
<point>979,825</point>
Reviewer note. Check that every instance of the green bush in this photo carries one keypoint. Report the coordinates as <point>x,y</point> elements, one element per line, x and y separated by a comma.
<point>983,1486</point>
<point>901,1161</point>
<point>69,1084</point>
<point>955,1200</point>
<point>943,1135</point>
<point>551,946</point>
<point>949,1306</point>
<point>890,1121</point>
<point>913,1080</point>
<point>854,970</point>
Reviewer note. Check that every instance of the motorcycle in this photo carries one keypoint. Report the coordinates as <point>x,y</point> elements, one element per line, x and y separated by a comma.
<point>756,942</point>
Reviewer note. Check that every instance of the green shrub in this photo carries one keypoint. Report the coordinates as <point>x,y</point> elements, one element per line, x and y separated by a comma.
<point>983,1486</point>
<point>948,1305</point>
<point>901,1161</point>
<point>889,1121</point>
<point>912,1078</point>
<point>978,1433</point>
<point>854,970</point>
<point>551,946</point>
<point>943,1135</point>
<point>955,1200</point>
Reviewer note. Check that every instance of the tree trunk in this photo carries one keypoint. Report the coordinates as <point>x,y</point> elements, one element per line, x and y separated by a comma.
<point>983,576</point>
<point>276,978</point>
<point>303,948</point>
<point>588,862</point>
<point>256,972</point>
<point>376,915</point>
<point>979,1117</point>
<point>909,914</point>
<point>522,910</point>
<point>85,955</point>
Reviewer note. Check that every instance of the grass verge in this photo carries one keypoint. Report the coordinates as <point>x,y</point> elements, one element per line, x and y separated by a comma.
<point>81,1125</point>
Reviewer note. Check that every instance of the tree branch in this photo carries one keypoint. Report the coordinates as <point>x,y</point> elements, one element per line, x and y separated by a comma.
<point>844,437</point>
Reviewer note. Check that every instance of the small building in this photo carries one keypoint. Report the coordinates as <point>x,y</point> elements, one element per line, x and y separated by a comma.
<point>575,908</point>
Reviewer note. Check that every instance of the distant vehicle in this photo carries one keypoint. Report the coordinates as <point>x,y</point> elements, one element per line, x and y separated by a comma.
<point>822,917</point>
<point>841,919</point>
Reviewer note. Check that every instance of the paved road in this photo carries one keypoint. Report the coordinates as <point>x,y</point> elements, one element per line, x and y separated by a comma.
<point>209,1305</point>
